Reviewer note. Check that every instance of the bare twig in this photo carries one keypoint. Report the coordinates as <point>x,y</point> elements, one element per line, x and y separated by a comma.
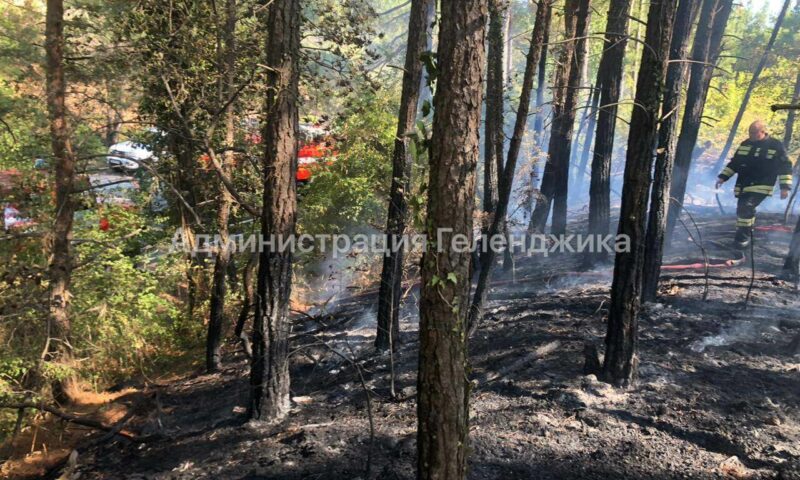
<point>537,354</point>
<point>752,269</point>
<point>367,393</point>
<point>698,242</point>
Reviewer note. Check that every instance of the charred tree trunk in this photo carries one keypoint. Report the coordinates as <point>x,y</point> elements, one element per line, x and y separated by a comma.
<point>60,261</point>
<point>665,153</point>
<point>753,81</point>
<point>269,378</point>
<point>443,387</point>
<point>541,82</point>
<point>576,138</point>
<point>583,166</point>
<point>554,189</point>
<point>714,16</point>
<point>538,120</point>
<point>508,41</point>
<point>402,160</point>
<point>583,14</point>
<point>216,321</point>
<point>507,178</point>
<point>493,146</point>
<point>609,81</point>
<point>789,130</point>
<point>620,362</point>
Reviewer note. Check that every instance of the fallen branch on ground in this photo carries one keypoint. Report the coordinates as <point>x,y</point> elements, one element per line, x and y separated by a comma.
<point>537,354</point>
<point>367,392</point>
<point>86,422</point>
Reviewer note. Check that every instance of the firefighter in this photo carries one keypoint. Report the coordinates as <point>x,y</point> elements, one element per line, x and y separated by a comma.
<point>759,162</point>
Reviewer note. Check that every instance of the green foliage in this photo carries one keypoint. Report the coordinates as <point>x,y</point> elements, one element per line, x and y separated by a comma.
<point>125,308</point>
<point>124,315</point>
<point>775,85</point>
<point>353,190</point>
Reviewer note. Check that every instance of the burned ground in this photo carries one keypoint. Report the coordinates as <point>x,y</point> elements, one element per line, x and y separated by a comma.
<point>718,394</point>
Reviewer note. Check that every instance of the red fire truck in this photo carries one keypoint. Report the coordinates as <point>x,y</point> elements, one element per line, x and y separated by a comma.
<point>315,150</point>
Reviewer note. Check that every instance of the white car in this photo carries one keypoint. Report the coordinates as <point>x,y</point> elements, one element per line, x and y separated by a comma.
<point>128,156</point>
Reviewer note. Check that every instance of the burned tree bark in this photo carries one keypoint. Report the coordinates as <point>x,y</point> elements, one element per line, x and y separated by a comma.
<point>269,377</point>
<point>541,82</point>
<point>227,61</point>
<point>588,140</point>
<point>576,138</point>
<point>507,178</point>
<point>620,361</point>
<point>402,160</point>
<point>665,153</point>
<point>555,181</point>
<point>538,120</point>
<point>583,14</point>
<point>788,132</point>
<point>705,53</point>
<point>609,81</point>
<point>753,81</point>
<point>493,144</point>
<point>443,388</point>
<point>60,260</point>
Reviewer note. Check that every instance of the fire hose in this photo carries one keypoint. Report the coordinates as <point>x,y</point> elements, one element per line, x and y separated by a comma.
<point>774,228</point>
<point>712,263</point>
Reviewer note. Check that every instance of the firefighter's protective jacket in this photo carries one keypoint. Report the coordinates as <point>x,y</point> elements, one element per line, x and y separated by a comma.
<point>759,164</point>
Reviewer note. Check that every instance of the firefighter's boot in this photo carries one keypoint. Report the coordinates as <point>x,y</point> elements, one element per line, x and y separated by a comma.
<point>743,236</point>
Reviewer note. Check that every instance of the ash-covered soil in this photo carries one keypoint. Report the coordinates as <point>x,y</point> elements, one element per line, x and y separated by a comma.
<point>718,394</point>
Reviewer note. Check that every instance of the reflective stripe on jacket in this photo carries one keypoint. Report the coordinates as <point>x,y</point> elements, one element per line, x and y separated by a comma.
<point>759,165</point>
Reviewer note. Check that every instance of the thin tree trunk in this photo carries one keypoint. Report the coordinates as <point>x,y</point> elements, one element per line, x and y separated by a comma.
<point>498,65</point>
<point>248,299</point>
<point>218,288</point>
<point>507,178</point>
<point>60,262</point>
<point>560,200</point>
<point>426,90</point>
<point>580,176</point>
<point>508,40</point>
<point>637,45</point>
<point>402,160</point>
<point>443,387</point>
<point>576,138</point>
<point>609,81</point>
<point>714,16</point>
<point>269,378</point>
<point>555,182</point>
<point>791,264</point>
<point>753,81</point>
<point>541,82</point>
<point>665,153</point>
<point>538,120</point>
<point>789,130</point>
<point>620,362</point>
<point>493,147</point>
